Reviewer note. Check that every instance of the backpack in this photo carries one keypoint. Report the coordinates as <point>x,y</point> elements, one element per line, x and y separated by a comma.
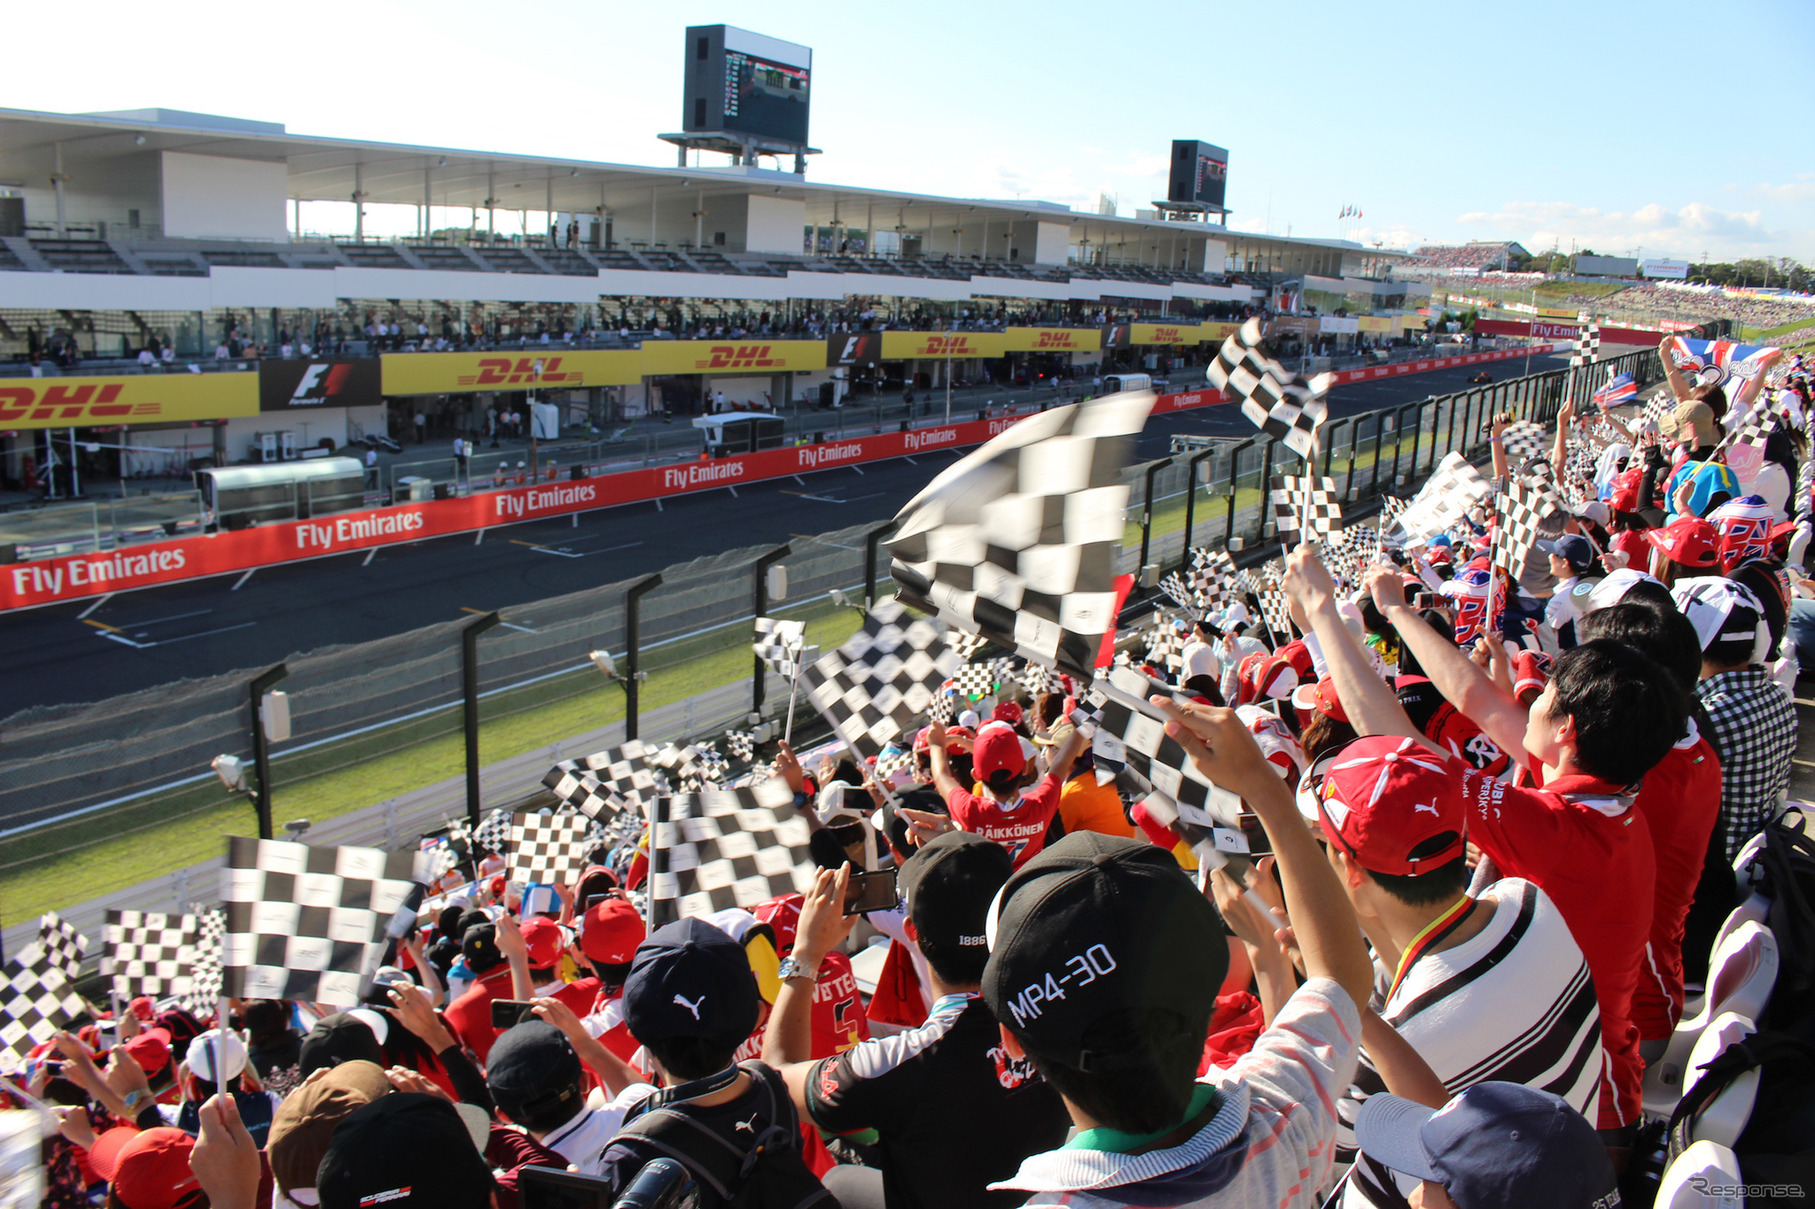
<point>1785,868</point>
<point>764,1171</point>
<point>1777,1147</point>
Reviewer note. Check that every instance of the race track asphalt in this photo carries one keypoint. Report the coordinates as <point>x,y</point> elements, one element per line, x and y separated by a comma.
<point>64,653</point>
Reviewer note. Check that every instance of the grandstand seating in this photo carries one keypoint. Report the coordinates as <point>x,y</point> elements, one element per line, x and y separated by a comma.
<point>80,255</point>
<point>1468,256</point>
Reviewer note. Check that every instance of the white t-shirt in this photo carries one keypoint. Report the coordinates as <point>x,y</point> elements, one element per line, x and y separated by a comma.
<point>582,1140</point>
<point>1513,1003</point>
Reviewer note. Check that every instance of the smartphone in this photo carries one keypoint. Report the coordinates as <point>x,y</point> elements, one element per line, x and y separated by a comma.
<point>593,900</point>
<point>1427,600</point>
<point>871,892</point>
<point>508,1013</point>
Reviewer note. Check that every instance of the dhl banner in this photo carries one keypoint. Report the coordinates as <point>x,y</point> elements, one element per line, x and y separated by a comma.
<point>1163,333</point>
<point>732,356</point>
<point>1053,339</point>
<point>458,373</point>
<point>909,346</point>
<point>1375,323</point>
<point>74,402</point>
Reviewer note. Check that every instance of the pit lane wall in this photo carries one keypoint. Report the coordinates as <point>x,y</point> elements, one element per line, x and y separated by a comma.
<point>73,577</point>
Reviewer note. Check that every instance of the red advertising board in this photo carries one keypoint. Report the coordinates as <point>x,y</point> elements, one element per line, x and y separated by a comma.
<point>1549,330</point>
<point>72,577</point>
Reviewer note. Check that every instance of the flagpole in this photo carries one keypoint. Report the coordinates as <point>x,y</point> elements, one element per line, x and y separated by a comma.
<point>787,734</point>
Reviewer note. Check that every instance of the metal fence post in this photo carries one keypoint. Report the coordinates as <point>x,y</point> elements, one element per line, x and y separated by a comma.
<point>633,642</point>
<point>261,752</point>
<point>1196,459</point>
<point>1235,457</point>
<point>1153,468</point>
<point>1379,440</point>
<point>761,568</point>
<point>871,540</point>
<point>469,693</point>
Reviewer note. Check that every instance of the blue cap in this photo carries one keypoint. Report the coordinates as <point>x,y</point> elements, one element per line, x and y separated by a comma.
<point>1495,1146</point>
<point>1442,539</point>
<point>690,979</point>
<point>1572,548</point>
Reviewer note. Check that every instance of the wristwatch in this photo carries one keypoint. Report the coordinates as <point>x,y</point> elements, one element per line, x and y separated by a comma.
<point>133,1099</point>
<point>790,968</point>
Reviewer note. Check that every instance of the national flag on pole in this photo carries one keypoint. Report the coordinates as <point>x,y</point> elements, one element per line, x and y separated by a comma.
<point>1619,389</point>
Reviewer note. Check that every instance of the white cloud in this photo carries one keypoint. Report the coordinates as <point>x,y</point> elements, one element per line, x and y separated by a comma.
<point>1687,231</point>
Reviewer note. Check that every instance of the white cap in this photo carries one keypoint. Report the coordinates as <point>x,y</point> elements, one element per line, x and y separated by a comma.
<point>199,1061</point>
<point>1613,589</point>
<point>1200,660</point>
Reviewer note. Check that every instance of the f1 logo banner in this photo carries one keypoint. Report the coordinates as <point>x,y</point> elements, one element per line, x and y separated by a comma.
<point>319,382</point>
<point>854,348</point>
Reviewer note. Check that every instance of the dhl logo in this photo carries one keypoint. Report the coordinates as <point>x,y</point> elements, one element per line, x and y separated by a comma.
<point>535,371</point>
<point>1168,335</point>
<point>741,356</point>
<point>1056,340</point>
<point>70,405</point>
<point>946,346</point>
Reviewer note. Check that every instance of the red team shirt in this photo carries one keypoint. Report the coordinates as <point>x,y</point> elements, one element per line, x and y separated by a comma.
<point>1680,800</point>
<point>1020,828</point>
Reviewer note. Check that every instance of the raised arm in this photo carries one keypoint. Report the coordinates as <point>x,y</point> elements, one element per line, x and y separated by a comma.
<point>943,780</point>
<point>1323,921</point>
<point>1454,674</point>
<point>1370,704</point>
<point>1679,385</point>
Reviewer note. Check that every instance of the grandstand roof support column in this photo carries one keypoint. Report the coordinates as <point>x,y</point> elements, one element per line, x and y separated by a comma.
<point>428,200</point>
<point>652,192</point>
<point>359,204</point>
<point>491,202</point>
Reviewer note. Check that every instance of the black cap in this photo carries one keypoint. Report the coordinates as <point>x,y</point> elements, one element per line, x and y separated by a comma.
<point>403,1151</point>
<point>533,1072</point>
<point>689,979</point>
<point>336,1039</point>
<point>479,945</point>
<point>1104,954</point>
<point>948,886</point>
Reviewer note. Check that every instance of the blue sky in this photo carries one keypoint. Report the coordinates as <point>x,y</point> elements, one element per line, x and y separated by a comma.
<point>1654,129</point>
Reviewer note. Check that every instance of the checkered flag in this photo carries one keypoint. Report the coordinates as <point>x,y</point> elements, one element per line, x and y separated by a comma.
<point>1276,612</point>
<point>1305,509</point>
<point>149,953</point>
<point>493,832</point>
<point>1753,429</point>
<point>550,849</point>
<point>1391,509</point>
<point>1179,592</point>
<point>1132,733</point>
<point>781,645</point>
<point>893,760</point>
<point>36,1002</point>
<point>1530,511</point>
<point>1445,498</point>
<point>1273,398</point>
<point>710,766</point>
<point>939,709</point>
<point>208,975</point>
<point>1524,440</point>
<point>1657,409</point>
<point>309,923</point>
<point>723,848</point>
<point>1018,541</point>
<point>965,643</point>
<point>619,778</point>
<point>740,745</point>
<point>975,680</point>
<point>1166,648</point>
<point>874,688</point>
<point>63,946</point>
<point>1588,341</point>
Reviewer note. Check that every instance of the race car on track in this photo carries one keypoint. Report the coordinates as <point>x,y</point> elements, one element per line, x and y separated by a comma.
<point>1483,376</point>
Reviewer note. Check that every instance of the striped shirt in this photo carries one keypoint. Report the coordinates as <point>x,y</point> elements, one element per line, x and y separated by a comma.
<point>1513,1003</point>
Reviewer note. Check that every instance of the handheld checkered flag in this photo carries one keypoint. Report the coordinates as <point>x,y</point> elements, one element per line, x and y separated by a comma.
<point>873,689</point>
<point>975,680</point>
<point>1391,509</point>
<point>1523,440</point>
<point>63,946</point>
<point>740,745</point>
<point>493,831</point>
<point>149,953</point>
<point>723,848</point>
<point>1276,612</point>
<point>1444,500</point>
<point>309,923</point>
<point>965,643</point>
<point>549,849</point>
<point>1131,732</point>
<point>619,778</point>
<point>1588,341</point>
<point>780,645</point>
<point>208,975</point>
<point>1166,648</point>
<point>1305,509</point>
<point>1018,541</point>
<point>1657,409</point>
<point>1179,592</point>
<point>1530,511</point>
<point>1274,399</point>
<point>36,1002</point>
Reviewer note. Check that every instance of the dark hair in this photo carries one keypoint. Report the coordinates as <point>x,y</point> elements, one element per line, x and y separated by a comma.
<point>693,1057</point>
<point>1143,1097</point>
<point>1646,592</point>
<point>846,770</point>
<point>1660,634</point>
<point>1048,707</point>
<point>611,976</point>
<point>956,964</point>
<point>1628,711</point>
<point>1711,394</point>
<point>1323,735</point>
<point>1440,886</point>
<point>543,1109</point>
<point>1205,685</point>
<point>266,1019</point>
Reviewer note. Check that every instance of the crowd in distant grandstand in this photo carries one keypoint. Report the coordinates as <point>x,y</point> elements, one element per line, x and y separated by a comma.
<point>1467,256</point>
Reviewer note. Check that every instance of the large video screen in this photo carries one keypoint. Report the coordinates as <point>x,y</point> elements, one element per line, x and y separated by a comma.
<point>1200,173</point>
<point>765,98</point>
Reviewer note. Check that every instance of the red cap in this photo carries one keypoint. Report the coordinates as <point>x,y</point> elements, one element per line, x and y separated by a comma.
<point>1006,711</point>
<point>1688,541</point>
<point>543,936</point>
<point>1264,677</point>
<point>1320,697</point>
<point>149,1169</point>
<point>611,931</point>
<point>783,917</point>
<point>1531,669</point>
<point>1625,497</point>
<point>150,1049</point>
<point>1386,797</point>
<point>998,749</point>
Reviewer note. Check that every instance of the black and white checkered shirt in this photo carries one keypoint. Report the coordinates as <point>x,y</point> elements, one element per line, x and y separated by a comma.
<point>1754,728</point>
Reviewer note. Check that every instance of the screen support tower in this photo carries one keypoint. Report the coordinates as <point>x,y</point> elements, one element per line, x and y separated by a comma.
<point>1184,211</point>
<point>743,149</point>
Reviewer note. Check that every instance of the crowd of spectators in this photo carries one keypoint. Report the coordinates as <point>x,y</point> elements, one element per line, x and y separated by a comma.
<point>1479,256</point>
<point>1498,828</point>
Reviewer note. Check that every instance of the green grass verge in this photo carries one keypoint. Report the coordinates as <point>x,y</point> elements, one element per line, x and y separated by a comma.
<point>157,836</point>
<point>1751,335</point>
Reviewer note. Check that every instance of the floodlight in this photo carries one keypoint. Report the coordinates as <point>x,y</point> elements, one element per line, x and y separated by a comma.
<point>839,598</point>
<point>604,662</point>
<point>231,770</point>
<point>295,828</point>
